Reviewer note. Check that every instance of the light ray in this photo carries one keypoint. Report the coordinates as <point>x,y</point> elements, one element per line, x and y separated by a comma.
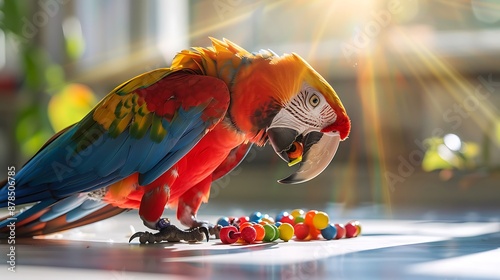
<point>450,79</point>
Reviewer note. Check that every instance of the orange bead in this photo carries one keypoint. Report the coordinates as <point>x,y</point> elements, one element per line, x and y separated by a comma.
<point>245,224</point>
<point>313,233</point>
<point>308,220</point>
<point>261,232</point>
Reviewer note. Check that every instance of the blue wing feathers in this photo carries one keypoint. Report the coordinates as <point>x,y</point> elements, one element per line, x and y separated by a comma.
<point>185,137</point>
<point>69,173</point>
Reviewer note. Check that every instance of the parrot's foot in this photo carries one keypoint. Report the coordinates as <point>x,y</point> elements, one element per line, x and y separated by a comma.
<point>171,233</point>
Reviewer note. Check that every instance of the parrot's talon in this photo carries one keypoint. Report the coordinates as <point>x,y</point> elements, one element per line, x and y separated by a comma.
<point>144,237</point>
<point>205,230</point>
<point>171,233</point>
<point>208,228</point>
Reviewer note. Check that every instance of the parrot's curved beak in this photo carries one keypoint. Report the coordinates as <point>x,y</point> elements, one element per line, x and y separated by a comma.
<point>318,151</point>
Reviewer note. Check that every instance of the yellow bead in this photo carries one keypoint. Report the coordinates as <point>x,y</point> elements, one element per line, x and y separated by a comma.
<point>297,213</point>
<point>286,231</point>
<point>321,220</point>
<point>268,220</point>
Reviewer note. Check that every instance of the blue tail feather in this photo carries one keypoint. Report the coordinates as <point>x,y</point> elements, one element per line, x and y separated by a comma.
<point>62,207</point>
<point>19,217</point>
<point>86,208</point>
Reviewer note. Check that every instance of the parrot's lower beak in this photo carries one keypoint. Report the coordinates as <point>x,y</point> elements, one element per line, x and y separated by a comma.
<point>313,151</point>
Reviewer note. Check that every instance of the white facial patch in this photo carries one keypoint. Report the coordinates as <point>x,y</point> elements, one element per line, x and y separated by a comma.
<point>307,111</point>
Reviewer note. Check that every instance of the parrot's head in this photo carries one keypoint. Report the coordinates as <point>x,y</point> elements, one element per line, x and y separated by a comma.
<point>295,109</point>
<point>307,130</point>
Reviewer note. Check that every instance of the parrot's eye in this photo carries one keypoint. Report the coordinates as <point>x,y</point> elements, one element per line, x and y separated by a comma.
<point>314,100</point>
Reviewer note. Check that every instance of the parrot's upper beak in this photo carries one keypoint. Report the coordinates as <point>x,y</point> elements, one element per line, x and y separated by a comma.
<point>318,150</point>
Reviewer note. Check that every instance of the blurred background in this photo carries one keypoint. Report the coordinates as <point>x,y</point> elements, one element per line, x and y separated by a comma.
<point>420,80</point>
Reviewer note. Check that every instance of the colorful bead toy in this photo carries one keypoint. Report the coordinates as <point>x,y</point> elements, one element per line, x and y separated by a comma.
<point>297,225</point>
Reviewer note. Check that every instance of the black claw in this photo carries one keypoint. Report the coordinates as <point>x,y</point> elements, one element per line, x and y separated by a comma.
<point>144,237</point>
<point>135,235</point>
<point>204,229</point>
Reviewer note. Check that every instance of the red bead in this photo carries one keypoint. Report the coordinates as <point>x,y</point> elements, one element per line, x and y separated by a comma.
<point>340,231</point>
<point>249,234</point>
<point>289,219</point>
<point>228,235</point>
<point>301,231</point>
<point>352,229</point>
<point>243,219</point>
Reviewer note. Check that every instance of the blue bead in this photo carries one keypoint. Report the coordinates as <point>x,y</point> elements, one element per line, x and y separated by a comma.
<point>278,224</point>
<point>256,217</point>
<point>280,215</point>
<point>223,221</point>
<point>329,232</point>
<point>162,223</point>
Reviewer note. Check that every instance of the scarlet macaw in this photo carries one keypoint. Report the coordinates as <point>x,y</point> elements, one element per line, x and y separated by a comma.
<point>161,139</point>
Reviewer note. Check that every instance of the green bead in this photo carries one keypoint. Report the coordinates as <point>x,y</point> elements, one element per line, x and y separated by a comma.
<point>270,233</point>
<point>276,233</point>
<point>299,219</point>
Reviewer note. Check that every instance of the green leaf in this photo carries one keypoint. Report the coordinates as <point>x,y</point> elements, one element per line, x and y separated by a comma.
<point>34,61</point>
<point>12,17</point>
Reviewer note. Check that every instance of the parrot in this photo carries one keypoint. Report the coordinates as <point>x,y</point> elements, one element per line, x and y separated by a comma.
<point>160,139</point>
